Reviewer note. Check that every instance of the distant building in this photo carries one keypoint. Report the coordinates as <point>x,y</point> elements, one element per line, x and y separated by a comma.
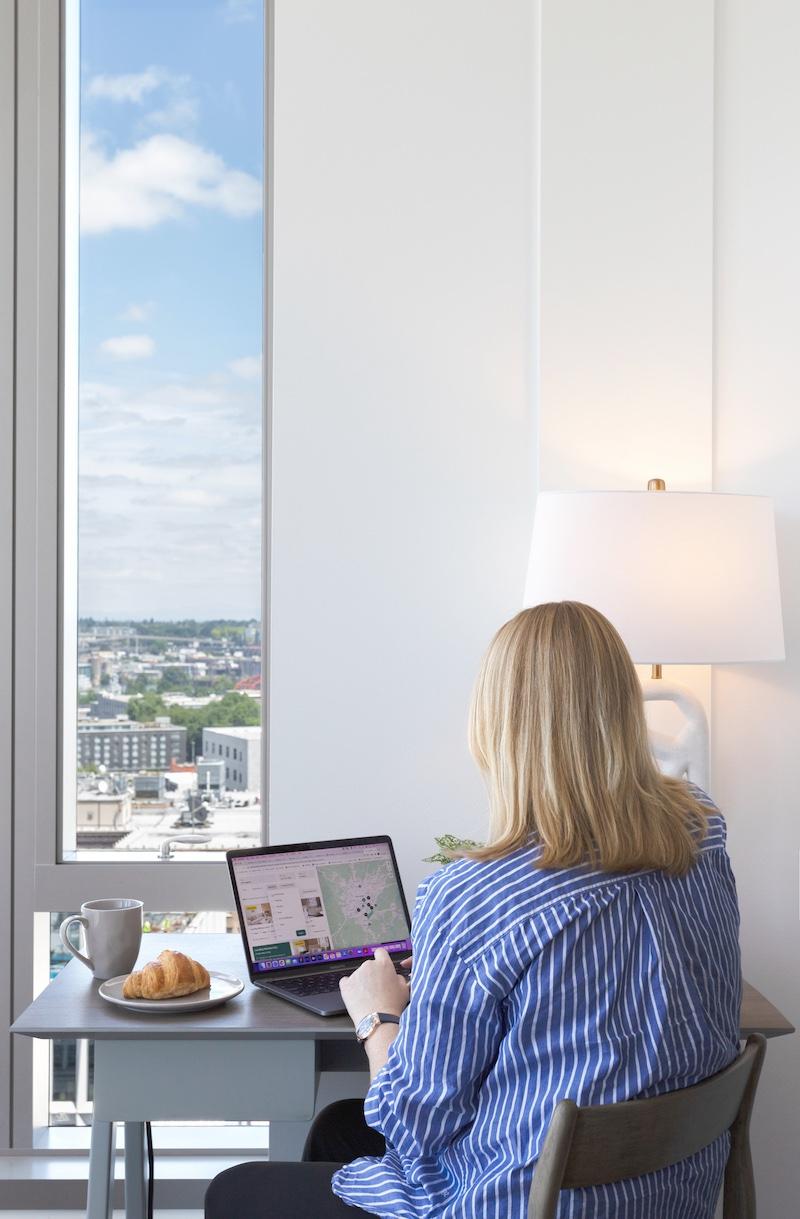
<point>99,811</point>
<point>109,706</point>
<point>128,745</point>
<point>101,663</point>
<point>189,701</point>
<point>240,750</point>
<point>210,775</point>
<point>249,684</point>
<point>148,787</point>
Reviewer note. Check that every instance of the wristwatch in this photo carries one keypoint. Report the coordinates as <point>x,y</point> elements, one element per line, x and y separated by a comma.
<point>366,1027</point>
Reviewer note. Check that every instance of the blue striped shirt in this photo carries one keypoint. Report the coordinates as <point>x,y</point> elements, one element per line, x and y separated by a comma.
<point>533,985</point>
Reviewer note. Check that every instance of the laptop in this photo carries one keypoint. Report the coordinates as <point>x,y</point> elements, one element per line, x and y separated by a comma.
<point>311,912</point>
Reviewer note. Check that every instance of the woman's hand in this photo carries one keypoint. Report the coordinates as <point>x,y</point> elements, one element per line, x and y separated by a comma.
<point>375,987</point>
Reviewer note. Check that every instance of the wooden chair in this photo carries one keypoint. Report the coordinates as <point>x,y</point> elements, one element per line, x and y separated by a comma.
<point>599,1144</point>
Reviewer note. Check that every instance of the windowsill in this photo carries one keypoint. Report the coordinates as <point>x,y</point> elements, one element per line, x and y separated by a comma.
<point>73,1141</point>
<point>48,1184</point>
<point>179,856</point>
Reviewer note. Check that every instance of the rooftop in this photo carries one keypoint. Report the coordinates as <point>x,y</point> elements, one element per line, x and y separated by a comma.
<point>249,733</point>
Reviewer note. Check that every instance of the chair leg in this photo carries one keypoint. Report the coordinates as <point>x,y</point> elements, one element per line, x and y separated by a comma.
<point>739,1200</point>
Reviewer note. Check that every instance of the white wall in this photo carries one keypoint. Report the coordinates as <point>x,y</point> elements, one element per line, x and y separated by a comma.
<point>627,117</point>
<point>403,460</point>
<point>756,721</point>
<point>406,246</point>
<point>669,347</point>
<point>626,244</point>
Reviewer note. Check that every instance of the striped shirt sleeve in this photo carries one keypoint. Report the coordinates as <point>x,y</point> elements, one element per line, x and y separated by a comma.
<point>427,1092</point>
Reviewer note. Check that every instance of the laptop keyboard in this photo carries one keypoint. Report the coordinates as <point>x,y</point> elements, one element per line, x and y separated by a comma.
<point>320,984</point>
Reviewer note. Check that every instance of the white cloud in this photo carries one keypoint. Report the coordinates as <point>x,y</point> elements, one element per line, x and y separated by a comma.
<point>136,313</point>
<point>179,108</point>
<point>195,497</point>
<point>131,87</point>
<point>180,112</point>
<point>170,482</point>
<point>129,347</point>
<point>156,180</point>
<point>248,368</point>
<point>235,11</point>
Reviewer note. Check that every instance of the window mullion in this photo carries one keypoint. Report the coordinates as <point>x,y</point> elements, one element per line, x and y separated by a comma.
<point>35,566</point>
<point>7,228</point>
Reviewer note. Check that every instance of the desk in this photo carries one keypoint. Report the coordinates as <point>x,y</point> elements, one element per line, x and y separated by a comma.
<point>256,1057</point>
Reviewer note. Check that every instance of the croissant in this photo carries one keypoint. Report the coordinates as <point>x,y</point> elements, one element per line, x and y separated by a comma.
<point>171,976</point>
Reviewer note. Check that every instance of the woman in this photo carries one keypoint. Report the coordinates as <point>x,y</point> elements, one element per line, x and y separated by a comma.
<point>589,950</point>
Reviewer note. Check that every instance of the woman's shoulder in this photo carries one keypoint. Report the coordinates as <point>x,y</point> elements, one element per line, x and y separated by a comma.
<point>460,879</point>
<point>472,900</point>
<point>716,829</point>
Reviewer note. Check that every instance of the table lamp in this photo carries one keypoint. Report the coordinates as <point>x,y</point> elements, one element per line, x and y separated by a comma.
<point>685,577</point>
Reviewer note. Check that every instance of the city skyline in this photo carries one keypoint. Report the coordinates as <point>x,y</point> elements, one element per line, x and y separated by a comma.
<point>170,324</point>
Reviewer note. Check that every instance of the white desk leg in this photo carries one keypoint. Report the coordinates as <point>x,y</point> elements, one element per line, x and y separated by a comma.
<point>135,1181</point>
<point>101,1171</point>
<point>286,1140</point>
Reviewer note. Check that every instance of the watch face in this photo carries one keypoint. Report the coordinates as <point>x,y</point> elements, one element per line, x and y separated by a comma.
<point>367,1025</point>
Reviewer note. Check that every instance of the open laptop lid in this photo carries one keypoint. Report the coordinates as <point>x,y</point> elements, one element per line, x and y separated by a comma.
<point>318,904</point>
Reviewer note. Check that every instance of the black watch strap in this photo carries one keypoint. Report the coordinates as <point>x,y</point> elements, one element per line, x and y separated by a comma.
<point>369,1024</point>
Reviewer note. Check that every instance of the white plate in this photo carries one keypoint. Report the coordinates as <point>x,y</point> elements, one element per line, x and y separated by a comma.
<point>223,987</point>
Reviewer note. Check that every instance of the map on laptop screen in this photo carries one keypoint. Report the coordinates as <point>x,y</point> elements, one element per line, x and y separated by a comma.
<point>332,903</point>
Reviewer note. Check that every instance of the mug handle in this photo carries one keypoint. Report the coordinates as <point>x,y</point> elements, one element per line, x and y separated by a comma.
<point>63,931</point>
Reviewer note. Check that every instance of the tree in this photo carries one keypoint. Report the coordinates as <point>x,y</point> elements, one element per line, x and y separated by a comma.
<point>175,680</point>
<point>232,711</point>
<point>146,707</point>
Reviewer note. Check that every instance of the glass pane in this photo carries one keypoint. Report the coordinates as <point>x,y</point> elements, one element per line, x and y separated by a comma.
<point>71,1061</point>
<point>163,323</point>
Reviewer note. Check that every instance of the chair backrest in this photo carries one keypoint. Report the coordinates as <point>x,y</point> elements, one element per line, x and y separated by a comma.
<point>599,1144</point>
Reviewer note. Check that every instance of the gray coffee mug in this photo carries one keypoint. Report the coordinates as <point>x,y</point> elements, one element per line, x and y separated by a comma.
<point>112,933</point>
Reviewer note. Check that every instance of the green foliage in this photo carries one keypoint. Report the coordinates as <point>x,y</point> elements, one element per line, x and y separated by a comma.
<point>86,698</point>
<point>139,685</point>
<point>232,711</point>
<point>183,628</point>
<point>175,680</point>
<point>146,707</point>
<point>449,848</point>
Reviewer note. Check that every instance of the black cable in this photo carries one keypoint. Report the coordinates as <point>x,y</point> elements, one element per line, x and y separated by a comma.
<point>148,1130</point>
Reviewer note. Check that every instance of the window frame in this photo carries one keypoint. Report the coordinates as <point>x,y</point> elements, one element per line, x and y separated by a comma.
<point>32,545</point>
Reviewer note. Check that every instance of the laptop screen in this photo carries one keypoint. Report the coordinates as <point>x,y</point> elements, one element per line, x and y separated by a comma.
<point>320,904</point>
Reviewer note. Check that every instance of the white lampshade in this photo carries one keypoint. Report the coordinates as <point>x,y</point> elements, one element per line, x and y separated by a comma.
<point>686,578</point>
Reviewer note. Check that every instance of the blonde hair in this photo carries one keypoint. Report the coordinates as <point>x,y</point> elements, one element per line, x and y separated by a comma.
<point>557,726</point>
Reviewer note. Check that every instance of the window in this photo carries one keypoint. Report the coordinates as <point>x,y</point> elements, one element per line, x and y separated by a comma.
<point>163,322</point>
<point>71,1063</point>
<point>123,589</point>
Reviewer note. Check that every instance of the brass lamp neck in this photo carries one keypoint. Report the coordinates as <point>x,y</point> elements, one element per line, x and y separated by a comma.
<point>656,484</point>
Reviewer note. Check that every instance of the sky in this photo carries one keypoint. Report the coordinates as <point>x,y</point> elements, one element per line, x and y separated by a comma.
<point>170,314</point>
